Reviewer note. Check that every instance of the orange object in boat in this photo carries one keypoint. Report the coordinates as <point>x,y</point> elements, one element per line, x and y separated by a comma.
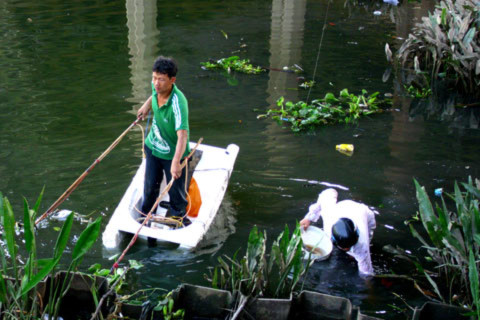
<point>194,199</point>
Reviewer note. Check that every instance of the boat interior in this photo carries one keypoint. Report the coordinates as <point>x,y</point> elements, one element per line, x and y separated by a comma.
<point>160,218</point>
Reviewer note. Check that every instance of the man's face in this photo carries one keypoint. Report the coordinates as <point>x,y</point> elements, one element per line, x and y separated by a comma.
<point>162,83</point>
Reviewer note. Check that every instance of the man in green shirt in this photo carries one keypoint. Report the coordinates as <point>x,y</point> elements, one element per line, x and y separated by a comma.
<point>167,142</point>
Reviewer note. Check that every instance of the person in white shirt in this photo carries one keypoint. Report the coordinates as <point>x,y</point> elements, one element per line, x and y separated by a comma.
<point>348,223</point>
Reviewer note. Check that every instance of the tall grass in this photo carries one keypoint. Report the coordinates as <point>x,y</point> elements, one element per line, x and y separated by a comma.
<point>19,298</point>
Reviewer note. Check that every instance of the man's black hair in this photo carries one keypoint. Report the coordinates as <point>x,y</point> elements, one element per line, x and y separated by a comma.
<point>165,65</point>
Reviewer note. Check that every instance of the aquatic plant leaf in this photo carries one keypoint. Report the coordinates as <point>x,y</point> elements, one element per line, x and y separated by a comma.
<point>1,208</point>
<point>42,274</point>
<point>9,228</point>
<point>434,285</point>
<point>37,203</point>
<point>427,214</point>
<point>455,247</point>
<point>469,36</point>
<point>443,17</point>
<point>214,282</point>
<point>418,236</point>
<point>28,227</point>
<point>473,277</point>
<point>62,238</point>
<point>41,263</point>
<point>86,239</point>
<point>442,219</point>
<point>3,288</point>
<point>471,188</point>
<point>134,264</point>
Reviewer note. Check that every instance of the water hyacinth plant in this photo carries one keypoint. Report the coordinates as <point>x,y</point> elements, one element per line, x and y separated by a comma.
<point>346,108</point>
<point>258,274</point>
<point>452,246</point>
<point>446,45</point>
<point>233,63</point>
<point>18,280</point>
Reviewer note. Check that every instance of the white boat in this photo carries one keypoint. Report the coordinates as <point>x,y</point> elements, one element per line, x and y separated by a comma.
<point>212,174</point>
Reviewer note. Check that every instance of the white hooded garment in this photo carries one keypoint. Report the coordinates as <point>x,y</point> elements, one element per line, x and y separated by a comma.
<point>364,219</point>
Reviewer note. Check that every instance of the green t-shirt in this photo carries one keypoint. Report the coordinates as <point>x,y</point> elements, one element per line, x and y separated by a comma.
<point>167,120</point>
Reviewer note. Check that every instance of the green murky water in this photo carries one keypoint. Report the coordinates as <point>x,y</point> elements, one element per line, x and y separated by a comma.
<point>73,73</point>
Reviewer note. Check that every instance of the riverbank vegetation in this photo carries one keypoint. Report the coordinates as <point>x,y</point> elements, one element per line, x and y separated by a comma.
<point>261,274</point>
<point>19,282</point>
<point>445,47</point>
<point>451,248</point>
<point>345,108</point>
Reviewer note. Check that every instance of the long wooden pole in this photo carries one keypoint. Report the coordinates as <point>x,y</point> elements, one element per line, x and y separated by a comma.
<point>84,174</point>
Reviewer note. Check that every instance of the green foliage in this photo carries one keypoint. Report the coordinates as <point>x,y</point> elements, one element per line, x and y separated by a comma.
<point>164,303</point>
<point>453,244</point>
<point>233,63</point>
<point>18,298</point>
<point>273,275</point>
<point>419,93</point>
<point>117,279</point>
<point>346,108</point>
<point>307,84</point>
<point>166,306</point>
<point>446,45</point>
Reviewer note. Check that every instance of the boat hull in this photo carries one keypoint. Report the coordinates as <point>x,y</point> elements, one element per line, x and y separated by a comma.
<point>212,174</point>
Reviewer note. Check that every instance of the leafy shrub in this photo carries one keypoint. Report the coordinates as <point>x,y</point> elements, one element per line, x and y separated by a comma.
<point>453,245</point>
<point>446,45</point>
<point>18,296</point>
<point>258,274</point>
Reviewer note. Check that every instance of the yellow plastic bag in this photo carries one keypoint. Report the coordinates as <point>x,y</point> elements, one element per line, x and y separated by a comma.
<point>346,149</point>
<point>194,199</point>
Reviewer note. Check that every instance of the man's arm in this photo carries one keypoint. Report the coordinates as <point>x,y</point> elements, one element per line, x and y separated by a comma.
<point>145,109</point>
<point>312,215</point>
<point>179,150</point>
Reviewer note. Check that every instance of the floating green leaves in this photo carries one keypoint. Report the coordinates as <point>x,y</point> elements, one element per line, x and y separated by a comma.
<point>233,63</point>
<point>346,108</point>
<point>307,84</point>
<point>419,93</point>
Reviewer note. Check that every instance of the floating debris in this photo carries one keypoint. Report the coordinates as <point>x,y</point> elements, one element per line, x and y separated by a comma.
<point>346,149</point>
<point>61,215</point>
<point>224,34</point>
<point>392,2</point>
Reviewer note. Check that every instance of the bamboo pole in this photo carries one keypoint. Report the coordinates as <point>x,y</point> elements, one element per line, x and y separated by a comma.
<point>85,173</point>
